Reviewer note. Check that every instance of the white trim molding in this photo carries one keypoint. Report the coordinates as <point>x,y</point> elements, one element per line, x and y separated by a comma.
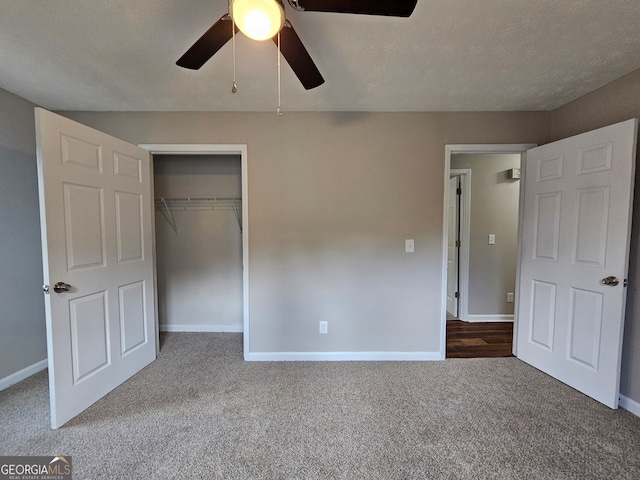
<point>342,356</point>
<point>630,405</point>
<point>192,148</point>
<point>20,375</point>
<point>201,328</point>
<point>497,317</point>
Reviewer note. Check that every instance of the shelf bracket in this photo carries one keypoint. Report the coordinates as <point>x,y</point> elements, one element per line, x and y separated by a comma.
<point>166,213</point>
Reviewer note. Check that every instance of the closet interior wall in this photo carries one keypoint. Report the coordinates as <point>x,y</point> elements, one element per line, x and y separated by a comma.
<point>198,242</point>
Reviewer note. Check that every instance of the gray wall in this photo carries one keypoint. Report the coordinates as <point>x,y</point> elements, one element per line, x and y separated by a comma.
<point>332,198</point>
<point>615,102</point>
<point>22,322</point>
<point>199,268</point>
<point>494,209</point>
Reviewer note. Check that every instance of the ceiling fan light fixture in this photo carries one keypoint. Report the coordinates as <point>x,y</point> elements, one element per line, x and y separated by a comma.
<point>258,19</point>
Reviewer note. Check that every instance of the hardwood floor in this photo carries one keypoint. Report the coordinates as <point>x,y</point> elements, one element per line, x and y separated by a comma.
<point>479,340</point>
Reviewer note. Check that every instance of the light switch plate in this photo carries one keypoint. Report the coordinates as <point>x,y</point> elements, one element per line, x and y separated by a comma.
<point>492,239</point>
<point>408,245</point>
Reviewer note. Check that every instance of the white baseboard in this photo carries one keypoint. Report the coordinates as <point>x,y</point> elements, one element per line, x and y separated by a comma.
<point>630,405</point>
<point>20,375</point>
<point>341,356</point>
<point>489,318</point>
<point>202,328</point>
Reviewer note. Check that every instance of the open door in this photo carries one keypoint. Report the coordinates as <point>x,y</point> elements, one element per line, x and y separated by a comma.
<point>575,250</point>
<point>95,214</point>
<point>453,246</point>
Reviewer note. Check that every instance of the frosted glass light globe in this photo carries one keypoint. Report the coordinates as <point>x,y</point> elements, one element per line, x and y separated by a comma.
<point>258,19</point>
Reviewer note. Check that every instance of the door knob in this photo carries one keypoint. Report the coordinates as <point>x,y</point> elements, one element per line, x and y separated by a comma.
<point>61,287</point>
<point>611,281</point>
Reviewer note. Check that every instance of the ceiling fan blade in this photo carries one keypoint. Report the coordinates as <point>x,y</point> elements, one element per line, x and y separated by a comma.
<point>391,8</point>
<point>208,44</point>
<point>298,58</point>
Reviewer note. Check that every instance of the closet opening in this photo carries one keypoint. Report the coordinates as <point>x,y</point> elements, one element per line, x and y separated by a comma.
<point>201,248</point>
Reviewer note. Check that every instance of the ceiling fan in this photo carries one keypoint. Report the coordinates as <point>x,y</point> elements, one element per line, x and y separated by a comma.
<point>264,19</point>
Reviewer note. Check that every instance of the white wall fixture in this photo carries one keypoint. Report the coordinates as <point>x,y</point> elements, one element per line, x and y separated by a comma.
<point>409,245</point>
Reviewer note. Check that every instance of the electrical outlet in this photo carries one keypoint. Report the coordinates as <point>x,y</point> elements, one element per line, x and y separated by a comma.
<point>324,327</point>
<point>510,297</point>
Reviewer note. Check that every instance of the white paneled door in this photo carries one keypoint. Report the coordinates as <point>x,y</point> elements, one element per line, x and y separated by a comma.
<point>575,245</point>
<point>95,209</point>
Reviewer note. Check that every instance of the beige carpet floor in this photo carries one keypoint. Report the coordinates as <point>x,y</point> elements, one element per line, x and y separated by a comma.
<point>200,411</point>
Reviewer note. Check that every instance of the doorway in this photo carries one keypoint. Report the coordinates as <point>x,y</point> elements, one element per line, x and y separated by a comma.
<point>487,215</point>
<point>198,232</point>
<point>222,151</point>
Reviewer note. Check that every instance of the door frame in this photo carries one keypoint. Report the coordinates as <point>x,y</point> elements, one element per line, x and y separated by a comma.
<point>213,149</point>
<point>465,229</point>
<point>452,149</point>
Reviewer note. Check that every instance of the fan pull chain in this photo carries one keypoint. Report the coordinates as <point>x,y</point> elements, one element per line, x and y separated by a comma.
<point>279,110</point>
<point>234,88</point>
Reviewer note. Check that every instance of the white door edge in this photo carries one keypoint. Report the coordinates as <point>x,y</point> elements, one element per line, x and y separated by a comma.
<point>219,149</point>
<point>519,148</point>
<point>465,231</point>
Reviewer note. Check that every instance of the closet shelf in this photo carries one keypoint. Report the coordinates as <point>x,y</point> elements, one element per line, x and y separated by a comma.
<point>166,205</point>
<point>198,203</point>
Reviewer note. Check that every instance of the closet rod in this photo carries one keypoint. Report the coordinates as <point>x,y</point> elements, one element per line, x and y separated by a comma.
<point>201,199</point>
<point>233,203</point>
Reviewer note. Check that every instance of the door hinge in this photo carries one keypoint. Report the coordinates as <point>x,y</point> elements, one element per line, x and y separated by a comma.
<point>458,243</point>
<point>459,191</point>
<point>457,295</point>
<point>625,282</point>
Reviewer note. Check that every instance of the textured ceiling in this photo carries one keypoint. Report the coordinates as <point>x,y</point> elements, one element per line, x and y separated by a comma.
<point>450,55</point>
